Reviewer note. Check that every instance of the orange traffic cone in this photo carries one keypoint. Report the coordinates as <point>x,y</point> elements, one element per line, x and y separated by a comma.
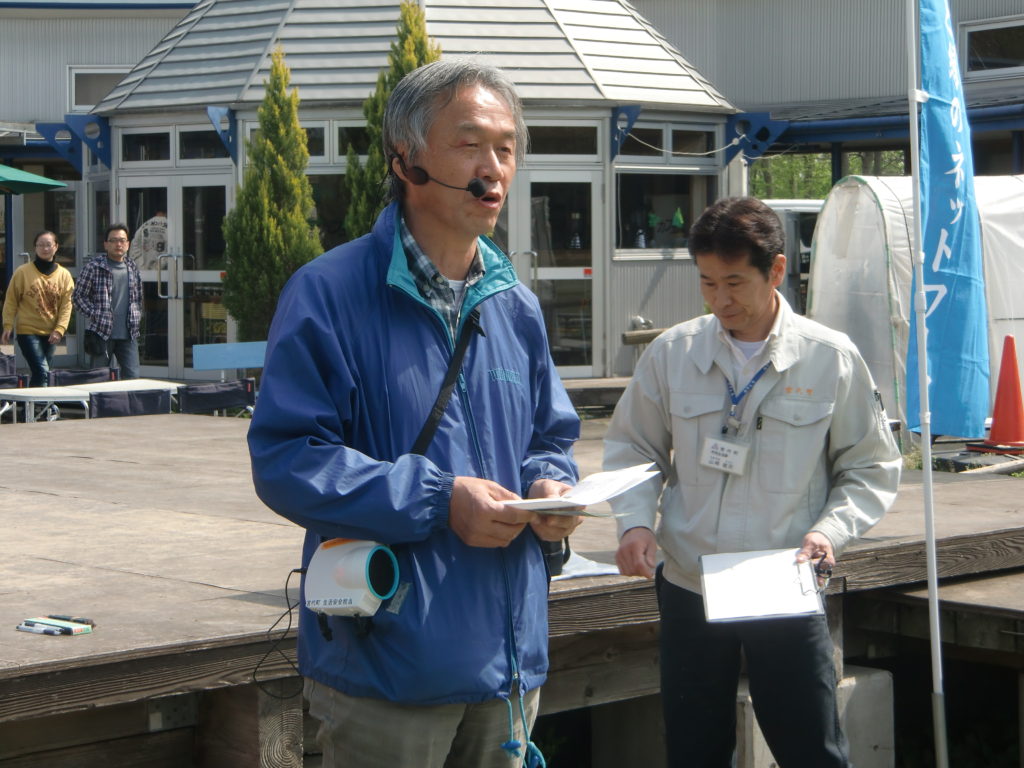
<point>1008,414</point>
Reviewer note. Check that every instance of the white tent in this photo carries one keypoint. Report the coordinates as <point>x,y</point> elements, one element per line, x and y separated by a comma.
<point>860,278</point>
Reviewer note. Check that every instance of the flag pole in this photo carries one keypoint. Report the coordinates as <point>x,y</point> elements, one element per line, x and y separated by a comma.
<point>915,96</point>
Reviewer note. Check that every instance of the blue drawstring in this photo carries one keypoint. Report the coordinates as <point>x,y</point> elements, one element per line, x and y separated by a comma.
<point>534,757</point>
<point>513,747</point>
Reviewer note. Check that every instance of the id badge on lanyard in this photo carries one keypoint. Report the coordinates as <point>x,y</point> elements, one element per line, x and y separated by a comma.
<point>725,452</point>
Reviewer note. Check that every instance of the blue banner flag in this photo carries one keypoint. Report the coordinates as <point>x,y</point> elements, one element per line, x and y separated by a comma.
<point>956,315</point>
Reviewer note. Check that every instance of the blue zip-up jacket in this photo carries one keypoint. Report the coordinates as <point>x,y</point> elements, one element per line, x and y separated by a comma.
<point>354,363</point>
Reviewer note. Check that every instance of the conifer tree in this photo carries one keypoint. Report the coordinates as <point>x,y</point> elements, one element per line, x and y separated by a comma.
<point>411,49</point>
<point>268,234</point>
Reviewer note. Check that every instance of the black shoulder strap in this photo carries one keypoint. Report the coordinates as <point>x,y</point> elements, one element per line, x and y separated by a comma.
<point>471,325</point>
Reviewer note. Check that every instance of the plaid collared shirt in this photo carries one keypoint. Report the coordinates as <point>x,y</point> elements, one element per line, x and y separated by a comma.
<point>432,285</point>
<point>92,296</point>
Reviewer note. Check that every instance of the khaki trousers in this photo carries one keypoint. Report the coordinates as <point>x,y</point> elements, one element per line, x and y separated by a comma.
<point>373,733</point>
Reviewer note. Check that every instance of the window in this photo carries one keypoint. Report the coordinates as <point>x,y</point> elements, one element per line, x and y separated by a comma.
<point>200,145</point>
<point>673,144</point>
<point>994,49</point>
<point>666,174</point>
<point>644,142</point>
<point>316,138</point>
<point>88,85</point>
<point>143,147</point>
<point>563,140</point>
<point>330,198</point>
<point>654,211</point>
<point>687,142</point>
<point>354,135</point>
<point>60,216</point>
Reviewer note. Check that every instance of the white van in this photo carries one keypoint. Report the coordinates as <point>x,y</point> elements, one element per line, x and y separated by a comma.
<point>798,220</point>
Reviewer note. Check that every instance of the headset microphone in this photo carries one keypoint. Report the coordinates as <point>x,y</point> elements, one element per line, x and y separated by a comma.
<point>419,176</point>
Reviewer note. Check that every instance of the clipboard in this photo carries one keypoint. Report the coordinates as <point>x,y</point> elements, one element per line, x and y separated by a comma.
<point>764,584</point>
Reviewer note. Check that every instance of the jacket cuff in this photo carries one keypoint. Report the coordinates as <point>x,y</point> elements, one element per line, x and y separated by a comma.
<point>638,520</point>
<point>444,499</point>
<point>835,533</point>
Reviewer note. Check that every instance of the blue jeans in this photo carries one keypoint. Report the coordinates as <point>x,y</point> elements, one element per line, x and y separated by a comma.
<point>792,685</point>
<point>38,352</point>
<point>127,353</point>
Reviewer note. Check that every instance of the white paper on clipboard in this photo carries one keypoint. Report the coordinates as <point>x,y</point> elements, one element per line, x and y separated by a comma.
<point>592,489</point>
<point>758,585</point>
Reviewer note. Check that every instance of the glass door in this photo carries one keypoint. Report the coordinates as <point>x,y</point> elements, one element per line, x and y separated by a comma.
<point>179,246</point>
<point>554,236</point>
<point>204,320</point>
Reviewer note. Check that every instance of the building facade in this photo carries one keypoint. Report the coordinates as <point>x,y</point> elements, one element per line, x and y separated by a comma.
<point>627,143</point>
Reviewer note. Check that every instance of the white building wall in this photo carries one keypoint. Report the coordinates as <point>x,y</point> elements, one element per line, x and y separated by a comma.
<point>664,292</point>
<point>37,48</point>
<point>790,51</point>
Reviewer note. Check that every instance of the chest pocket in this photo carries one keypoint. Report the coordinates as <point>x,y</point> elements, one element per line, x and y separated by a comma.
<point>791,439</point>
<point>694,416</point>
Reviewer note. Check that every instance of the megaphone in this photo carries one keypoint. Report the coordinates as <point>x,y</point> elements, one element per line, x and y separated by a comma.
<point>347,577</point>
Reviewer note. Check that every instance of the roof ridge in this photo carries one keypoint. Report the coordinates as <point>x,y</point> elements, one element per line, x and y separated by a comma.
<point>198,11</point>
<point>271,43</point>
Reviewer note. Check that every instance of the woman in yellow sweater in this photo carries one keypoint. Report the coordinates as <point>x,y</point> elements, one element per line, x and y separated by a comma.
<point>37,308</point>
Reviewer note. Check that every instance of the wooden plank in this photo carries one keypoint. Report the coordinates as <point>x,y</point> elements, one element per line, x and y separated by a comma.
<point>181,669</point>
<point>252,725</point>
<point>865,567</point>
<point>601,667</point>
<point>644,336</point>
<point>595,392</point>
<point>45,734</point>
<point>599,603</point>
<point>167,749</point>
<point>976,614</point>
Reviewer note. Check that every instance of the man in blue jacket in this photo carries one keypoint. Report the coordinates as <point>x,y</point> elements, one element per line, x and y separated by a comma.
<point>357,352</point>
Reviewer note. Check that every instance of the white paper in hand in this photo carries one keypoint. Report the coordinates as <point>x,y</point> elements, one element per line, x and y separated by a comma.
<point>592,489</point>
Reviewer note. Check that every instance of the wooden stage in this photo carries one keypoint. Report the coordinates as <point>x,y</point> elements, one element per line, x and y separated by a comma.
<point>150,526</point>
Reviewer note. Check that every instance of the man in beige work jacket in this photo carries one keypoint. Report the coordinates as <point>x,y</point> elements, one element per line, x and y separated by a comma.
<point>812,466</point>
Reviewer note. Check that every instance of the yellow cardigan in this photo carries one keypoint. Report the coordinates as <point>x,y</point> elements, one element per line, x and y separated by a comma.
<point>41,303</point>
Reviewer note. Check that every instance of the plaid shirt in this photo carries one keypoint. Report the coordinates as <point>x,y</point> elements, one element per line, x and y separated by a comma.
<point>92,296</point>
<point>433,286</point>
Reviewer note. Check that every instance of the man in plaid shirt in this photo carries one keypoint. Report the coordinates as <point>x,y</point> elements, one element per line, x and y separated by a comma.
<point>109,291</point>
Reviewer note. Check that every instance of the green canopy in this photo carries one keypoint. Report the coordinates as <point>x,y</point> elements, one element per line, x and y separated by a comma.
<point>18,182</point>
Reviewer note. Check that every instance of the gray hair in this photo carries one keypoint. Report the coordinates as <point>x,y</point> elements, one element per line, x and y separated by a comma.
<point>414,103</point>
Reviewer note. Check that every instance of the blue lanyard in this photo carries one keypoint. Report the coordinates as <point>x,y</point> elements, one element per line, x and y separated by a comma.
<point>735,399</point>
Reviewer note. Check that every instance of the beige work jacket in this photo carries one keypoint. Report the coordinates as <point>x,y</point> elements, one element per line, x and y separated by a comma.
<point>821,454</point>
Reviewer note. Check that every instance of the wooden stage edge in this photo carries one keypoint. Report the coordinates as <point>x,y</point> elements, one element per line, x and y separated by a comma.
<point>596,605</point>
<point>151,526</point>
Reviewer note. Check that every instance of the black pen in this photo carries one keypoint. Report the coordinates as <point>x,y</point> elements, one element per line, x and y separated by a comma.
<point>43,629</point>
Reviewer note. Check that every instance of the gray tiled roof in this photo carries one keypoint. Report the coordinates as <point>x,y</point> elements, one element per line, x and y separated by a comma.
<point>557,51</point>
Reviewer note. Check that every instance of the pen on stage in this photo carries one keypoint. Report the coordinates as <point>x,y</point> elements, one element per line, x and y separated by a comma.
<point>42,629</point>
<point>68,627</point>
